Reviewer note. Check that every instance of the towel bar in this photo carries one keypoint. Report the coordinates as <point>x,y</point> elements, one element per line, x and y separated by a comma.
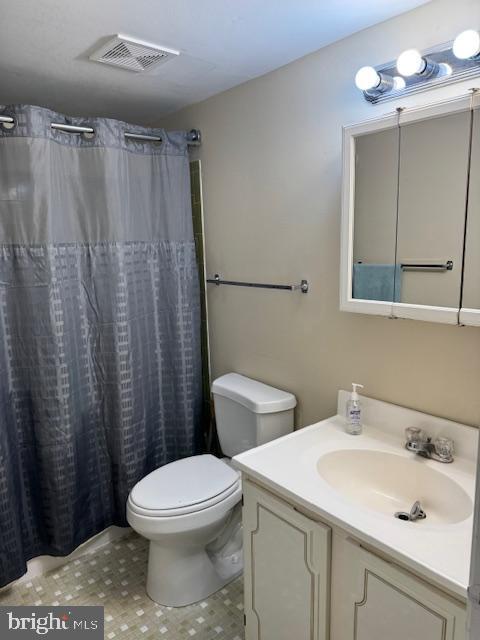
<point>303,286</point>
<point>414,266</point>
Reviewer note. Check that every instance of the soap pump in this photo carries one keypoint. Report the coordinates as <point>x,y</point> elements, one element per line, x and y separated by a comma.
<point>354,412</point>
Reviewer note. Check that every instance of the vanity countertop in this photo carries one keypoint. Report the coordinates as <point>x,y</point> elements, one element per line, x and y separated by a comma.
<point>288,466</point>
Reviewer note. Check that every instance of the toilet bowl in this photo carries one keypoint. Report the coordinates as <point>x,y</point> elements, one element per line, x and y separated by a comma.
<point>181,508</point>
<point>190,509</point>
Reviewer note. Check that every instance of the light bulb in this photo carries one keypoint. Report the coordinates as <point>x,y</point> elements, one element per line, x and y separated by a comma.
<point>410,62</point>
<point>444,69</point>
<point>398,83</point>
<point>367,78</point>
<point>467,44</point>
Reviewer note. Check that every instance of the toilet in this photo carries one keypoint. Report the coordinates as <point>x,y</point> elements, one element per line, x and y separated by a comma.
<point>190,509</point>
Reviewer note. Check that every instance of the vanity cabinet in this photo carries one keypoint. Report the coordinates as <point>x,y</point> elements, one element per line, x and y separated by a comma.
<point>305,582</point>
<point>287,570</point>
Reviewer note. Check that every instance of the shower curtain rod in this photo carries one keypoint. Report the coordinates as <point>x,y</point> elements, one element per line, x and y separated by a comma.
<point>194,136</point>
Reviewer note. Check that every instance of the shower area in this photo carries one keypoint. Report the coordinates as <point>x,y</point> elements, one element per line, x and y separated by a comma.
<point>103,344</point>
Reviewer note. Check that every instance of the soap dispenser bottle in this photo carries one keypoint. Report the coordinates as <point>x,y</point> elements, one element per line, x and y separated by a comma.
<point>354,412</point>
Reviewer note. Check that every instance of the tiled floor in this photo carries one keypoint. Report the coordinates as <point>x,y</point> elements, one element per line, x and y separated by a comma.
<point>114,576</point>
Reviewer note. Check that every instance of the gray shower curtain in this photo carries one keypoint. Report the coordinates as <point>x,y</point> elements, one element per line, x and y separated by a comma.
<point>100,372</point>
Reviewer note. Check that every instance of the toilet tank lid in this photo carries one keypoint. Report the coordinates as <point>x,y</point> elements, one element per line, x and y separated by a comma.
<point>252,394</point>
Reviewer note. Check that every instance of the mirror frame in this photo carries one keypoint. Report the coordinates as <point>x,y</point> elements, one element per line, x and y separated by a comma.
<point>448,315</point>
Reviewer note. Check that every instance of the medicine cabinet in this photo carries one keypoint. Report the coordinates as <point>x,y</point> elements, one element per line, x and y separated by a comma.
<point>411,214</point>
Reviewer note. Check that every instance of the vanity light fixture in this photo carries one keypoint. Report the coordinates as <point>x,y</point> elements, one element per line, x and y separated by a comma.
<point>467,45</point>
<point>415,70</point>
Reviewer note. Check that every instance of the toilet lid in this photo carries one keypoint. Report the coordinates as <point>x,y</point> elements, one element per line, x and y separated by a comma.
<point>183,483</point>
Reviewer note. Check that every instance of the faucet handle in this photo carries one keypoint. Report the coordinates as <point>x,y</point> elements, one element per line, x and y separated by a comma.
<point>444,447</point>
<point>413,434</point>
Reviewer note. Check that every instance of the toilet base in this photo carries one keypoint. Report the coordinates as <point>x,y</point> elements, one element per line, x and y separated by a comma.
<point>179,577</point>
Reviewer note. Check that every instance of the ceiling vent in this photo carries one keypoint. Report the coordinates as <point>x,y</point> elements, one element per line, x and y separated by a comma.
<point>133,55</point>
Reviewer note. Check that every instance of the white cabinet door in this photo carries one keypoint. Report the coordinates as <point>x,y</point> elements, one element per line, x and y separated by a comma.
<point>378,600</point>
<point>287,570</point>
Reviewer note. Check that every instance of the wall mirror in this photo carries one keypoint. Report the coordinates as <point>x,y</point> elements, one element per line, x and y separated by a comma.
<point>470,306</point>
<point>411,214</point>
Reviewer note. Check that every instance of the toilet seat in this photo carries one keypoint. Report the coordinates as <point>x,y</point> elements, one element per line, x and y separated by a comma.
<point>183,487</point>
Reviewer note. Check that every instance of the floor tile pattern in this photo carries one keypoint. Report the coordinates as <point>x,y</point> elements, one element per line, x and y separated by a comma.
<point>114,577</point>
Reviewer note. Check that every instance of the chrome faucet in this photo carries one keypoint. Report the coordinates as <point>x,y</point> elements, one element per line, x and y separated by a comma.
<point>441,449</point>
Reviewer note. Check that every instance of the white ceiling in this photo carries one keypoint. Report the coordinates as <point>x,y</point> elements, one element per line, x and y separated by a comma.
<point>45,44</point>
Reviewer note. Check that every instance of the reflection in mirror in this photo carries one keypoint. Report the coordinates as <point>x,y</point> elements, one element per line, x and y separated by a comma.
<point>431,208</point>
<point>471,281</point>
<point>376,175</point>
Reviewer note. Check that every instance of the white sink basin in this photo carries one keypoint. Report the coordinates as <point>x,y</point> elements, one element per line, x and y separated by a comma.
<point>388,483</point>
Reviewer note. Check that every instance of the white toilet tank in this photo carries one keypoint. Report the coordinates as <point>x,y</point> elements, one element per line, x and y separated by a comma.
<point>249,413</point>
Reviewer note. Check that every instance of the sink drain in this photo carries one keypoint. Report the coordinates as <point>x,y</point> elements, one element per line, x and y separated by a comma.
<point>415,513</point>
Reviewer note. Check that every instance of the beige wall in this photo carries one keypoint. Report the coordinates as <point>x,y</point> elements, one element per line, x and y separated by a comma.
<point>271,163</point>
